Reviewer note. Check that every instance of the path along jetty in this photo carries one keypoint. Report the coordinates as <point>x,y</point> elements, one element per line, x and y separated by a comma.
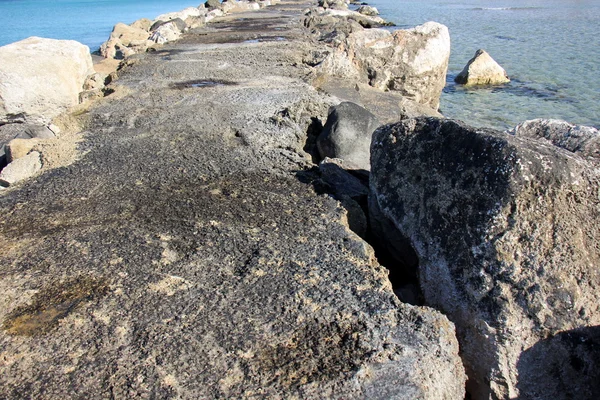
<point>214,221</point>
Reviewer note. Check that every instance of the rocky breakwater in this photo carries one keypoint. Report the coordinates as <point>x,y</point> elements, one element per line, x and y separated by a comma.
<point>182,257</point>
<point>505,227</point>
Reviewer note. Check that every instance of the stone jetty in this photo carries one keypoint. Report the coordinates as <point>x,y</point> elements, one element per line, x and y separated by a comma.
<point>261,200</point>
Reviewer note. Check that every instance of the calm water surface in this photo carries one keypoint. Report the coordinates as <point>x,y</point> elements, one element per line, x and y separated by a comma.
<point>550,49</point>
<point>87,21</point>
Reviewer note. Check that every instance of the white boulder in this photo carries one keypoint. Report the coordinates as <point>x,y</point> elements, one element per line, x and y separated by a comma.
<point>482,69</point>
<point>20,169</point>
<point>41,78</point>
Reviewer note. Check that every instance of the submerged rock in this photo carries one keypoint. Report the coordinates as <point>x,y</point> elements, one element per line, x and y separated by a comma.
<point>505,230</point>
<point>41,78</point>
<point>482,70</point>
<point>347,135</point>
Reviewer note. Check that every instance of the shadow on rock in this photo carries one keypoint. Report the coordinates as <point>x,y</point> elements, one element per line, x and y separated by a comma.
<point>565,366</point>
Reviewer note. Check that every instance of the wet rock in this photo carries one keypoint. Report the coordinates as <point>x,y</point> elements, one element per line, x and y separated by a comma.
<point>368,10</point>
<point>505,229</point>
<point>347,134</point>
<point>20,169</point>
<point>41,78</point>
<point>482,69</point>
<point>583,140</point>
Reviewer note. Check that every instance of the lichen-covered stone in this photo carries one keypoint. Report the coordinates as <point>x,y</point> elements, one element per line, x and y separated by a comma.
<point>506,233</point>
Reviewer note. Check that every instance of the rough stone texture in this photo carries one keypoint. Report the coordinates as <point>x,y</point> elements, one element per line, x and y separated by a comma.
<point>183,14</point>
<point>413,62</point>
<point>368,10</point>
<point>347,134</point>
<point>212,4</point>
<point>18,148</point>
<point>9,132</point>
<point>583,140</point>
<point>41,78</point>
<point>571,359</point>
<point>482,69</point>
<point>20,169</point>
<point>387,106</point>
<point>167,31</point>
<point>142,23</point>
<point>182,257</point>
<point>506,233</point>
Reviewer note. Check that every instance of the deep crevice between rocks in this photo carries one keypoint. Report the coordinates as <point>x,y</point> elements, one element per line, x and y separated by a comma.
<point>344,185</point>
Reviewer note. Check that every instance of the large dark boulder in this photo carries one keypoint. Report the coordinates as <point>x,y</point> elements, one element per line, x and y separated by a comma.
<point>347,134</point>
<point>506,233</point>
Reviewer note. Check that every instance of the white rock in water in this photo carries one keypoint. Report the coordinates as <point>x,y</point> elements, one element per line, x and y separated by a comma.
<point>41,78</point>
<point>20,169</point>
<point>482,70</point>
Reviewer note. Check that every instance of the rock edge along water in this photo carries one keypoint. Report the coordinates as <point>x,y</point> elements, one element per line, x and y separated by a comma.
<point>181,258</point>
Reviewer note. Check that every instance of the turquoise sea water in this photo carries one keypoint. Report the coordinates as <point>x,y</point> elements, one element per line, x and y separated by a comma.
<point>87,21</point>
<point>550,49</point>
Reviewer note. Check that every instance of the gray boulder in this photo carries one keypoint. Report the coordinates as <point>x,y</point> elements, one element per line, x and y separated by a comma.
<point>583,140</point>
<point>505,230</point>
<point>347,134</point>
<point>482,69</point>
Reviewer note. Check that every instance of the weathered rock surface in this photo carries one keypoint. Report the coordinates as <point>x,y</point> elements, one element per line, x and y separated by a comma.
<point>482,69</point>
<point>583,140</point>
<point>181,257</point>
<point>387,106</point>
<point>212,4</point>
<point>368,10</point>
<point>20,169</point>
<point>169,31</point>
<point>124,40</point>
<point>347,135</point>
<point>505,229</point>
<point>41,78</point>
<point>413,62</point>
